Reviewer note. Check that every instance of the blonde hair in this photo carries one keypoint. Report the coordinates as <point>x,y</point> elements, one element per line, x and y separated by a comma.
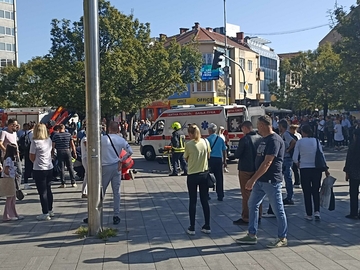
<point>40,132</point>
<point>195,131</point>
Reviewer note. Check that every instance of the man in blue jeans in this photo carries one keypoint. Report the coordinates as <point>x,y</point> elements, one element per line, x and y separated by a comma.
<point>267,181</point>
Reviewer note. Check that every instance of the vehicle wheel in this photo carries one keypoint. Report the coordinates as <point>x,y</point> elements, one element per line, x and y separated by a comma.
<point>149,154</point>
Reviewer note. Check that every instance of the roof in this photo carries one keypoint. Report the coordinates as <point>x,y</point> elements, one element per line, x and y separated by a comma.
<point>288,55</point>
<point>203,35</point>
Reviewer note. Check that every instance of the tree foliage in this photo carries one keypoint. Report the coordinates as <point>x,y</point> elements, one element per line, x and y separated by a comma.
<point>134,68</point>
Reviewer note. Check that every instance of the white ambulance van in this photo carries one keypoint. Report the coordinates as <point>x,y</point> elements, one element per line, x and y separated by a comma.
<point>159,134</point>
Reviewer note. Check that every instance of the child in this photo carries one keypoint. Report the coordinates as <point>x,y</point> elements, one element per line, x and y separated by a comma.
<point>338,135</point>
<point>9,170</point>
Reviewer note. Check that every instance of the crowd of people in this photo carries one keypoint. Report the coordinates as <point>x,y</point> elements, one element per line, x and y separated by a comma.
<point>45,155</point>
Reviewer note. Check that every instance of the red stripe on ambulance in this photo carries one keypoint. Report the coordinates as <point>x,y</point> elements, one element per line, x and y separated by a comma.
<point>177,114</point>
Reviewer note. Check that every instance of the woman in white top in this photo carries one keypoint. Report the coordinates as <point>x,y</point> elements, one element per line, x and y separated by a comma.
<point>304,157</point>
<point>9,170</point>
<point>338,134</point>
<point>40,155</point>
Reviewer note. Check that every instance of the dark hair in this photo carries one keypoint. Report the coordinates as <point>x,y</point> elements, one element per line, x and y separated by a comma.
<point>11,121</point>
<point>247,124</point>
<point>11,151</point>
<point>283,123</point>
<point>266,120</point>
<point>57,128</point>
<point>307,130</point>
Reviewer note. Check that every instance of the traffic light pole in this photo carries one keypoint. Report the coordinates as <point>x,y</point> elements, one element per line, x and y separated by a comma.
<point>93,114</point>
<point>242,69</point>
<point>226,70</point>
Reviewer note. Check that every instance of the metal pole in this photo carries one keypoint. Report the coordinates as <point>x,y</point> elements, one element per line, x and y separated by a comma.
<point>93,114</point>
<point>226,62</point>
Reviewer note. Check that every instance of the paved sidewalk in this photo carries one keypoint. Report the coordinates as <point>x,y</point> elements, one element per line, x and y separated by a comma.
<point>152,232</point>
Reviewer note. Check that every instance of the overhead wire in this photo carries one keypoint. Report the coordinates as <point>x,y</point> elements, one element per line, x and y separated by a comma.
<point>287,32</point>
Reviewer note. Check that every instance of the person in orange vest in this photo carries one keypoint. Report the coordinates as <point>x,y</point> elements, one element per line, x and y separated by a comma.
<point>127,164</point>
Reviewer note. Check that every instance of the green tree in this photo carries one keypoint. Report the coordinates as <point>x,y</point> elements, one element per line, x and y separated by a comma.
<point>134,68</point>
<point>348,26</point>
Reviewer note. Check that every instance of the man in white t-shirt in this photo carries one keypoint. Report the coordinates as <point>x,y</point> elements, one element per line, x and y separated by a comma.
<point>111,146</point>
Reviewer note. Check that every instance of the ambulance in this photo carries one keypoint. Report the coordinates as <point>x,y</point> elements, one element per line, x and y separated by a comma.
<point>159,135</point>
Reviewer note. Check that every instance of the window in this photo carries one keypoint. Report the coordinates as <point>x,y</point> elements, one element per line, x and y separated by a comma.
<point>242,62</point>
<point>250,65</point>
<point>7,15</point>
<point>250,88</point>
<point>2,46</point>
<point>242,87</point>
<point>8,31</point>
<point>3,62</point>
<point>8,47</point>
<point>2,14</point>
<point>2,30</point>
<point>204,86</point>
<point>13,47</point>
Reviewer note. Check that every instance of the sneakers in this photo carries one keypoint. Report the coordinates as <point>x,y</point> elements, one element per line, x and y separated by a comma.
<point>278,243</point>
<point>116,220</point>
<point>288,202</point>
<point>51,214</point>
<point>62,186</point>
<point>267,215</point>
<point>184,174</point>
<point>297,186</point>
<point>173,174</point>
<point>240,221</point>
<point>20,217</point>
<point>43,217</point>
<point>226,170</point>
<point>309,218</point>
<point>205,229</point>
<point>191,230</point>
<point>27,186</point>
<point>317,216</point>
<point>247,240</point>
<point>352,217</point>
<point>73,185</point>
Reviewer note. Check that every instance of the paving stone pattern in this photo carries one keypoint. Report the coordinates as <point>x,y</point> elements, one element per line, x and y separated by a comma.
<point>152,235</point>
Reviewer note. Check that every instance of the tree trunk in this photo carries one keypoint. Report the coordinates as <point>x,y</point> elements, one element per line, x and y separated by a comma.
<point>130,119</point>
<point>326,109</point>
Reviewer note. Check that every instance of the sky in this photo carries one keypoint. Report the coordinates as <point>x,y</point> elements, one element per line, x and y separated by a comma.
<point>167,16</point>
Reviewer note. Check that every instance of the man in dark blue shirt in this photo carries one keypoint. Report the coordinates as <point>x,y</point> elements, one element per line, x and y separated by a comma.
<point>267,180</point>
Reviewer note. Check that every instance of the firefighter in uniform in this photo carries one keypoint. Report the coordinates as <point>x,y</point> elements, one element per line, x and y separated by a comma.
<point>178,149</point>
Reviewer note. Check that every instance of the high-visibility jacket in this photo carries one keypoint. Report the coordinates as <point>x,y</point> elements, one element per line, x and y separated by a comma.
<point>178,141</point>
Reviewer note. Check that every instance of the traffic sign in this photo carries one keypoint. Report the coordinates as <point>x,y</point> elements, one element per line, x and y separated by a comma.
<point>246,86</point>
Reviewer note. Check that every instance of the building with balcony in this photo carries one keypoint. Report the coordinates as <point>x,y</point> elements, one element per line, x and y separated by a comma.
<point>269,64</point>
<point>8,33</point>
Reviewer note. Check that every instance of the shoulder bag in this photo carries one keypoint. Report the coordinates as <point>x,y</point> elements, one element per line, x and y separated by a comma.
<point>320,162</point>
<point>7,187</point>
<point>211,180</point>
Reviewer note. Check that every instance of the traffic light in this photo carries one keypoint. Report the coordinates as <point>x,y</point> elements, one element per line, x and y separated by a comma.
<point>216,60</point>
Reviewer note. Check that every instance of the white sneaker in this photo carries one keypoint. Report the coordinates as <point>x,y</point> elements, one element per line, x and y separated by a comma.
<point>226,170</point>
<point>266,215</point>
<point>309,218</point>
<point>51,214</point>
<point>43,217</point>
<point>27,186</point>
<point>317,216</point>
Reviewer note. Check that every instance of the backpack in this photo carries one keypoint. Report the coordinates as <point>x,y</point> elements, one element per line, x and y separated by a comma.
<point>24,142</point>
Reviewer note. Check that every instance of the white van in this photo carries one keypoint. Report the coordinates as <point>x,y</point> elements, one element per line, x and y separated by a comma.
<point>159,135</point>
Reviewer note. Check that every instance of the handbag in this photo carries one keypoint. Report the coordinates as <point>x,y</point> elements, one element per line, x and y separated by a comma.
<point>320,162</point>
<point>19,194</point>
<point>7,187</point>
<point>211,179</point>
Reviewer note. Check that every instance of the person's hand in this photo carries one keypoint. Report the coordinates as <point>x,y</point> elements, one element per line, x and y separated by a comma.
<point>250,184</point>
<point>225,163</point>
<point>327,173</point>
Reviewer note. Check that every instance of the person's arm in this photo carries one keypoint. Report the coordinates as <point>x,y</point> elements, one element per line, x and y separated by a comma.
<point>32,151</point>
<point>128,150</point>
<point>224,152</point>
<point>265,165</point>
<point>2,146</point>
<point>2,138</point>
<point>292,143</point>
<point>53,149</point>
<point>295,156</point>
<point>73,148</point>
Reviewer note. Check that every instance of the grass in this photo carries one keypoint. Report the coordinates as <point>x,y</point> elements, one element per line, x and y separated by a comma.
<point>105,234</point>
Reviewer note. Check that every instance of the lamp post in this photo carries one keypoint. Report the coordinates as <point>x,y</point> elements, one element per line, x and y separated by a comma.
<point>92,85</point>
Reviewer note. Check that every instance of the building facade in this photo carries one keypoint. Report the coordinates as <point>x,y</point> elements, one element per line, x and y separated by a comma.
<point>269,64</point>
<point>8,33</point>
